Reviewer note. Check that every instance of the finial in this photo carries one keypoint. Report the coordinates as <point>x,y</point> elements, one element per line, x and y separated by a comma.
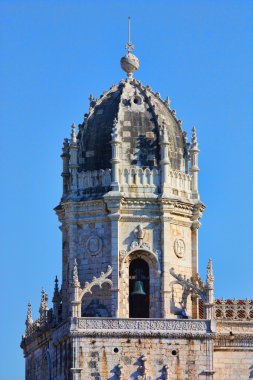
<point>75,280</point>
<point>29,319</point>
<point>194,138</point>
<point>114,133</point>
<point>65,147</point>
<point>129,63</point>
<point>43,305</point>
<point>209,275</point>
<point>167,102</point>
<point>164,134</point>
<point>92,100</point>
<point>56,297</point>
<point>73,134</point>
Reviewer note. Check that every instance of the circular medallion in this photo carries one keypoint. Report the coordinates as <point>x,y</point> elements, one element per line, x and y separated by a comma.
<point>179,247</point>
<point>94,245</point>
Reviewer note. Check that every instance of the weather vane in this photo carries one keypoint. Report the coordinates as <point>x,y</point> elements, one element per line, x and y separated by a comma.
<point>129,46</point>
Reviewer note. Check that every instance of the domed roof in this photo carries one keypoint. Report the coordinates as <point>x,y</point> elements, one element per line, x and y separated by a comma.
<point>140,114</point>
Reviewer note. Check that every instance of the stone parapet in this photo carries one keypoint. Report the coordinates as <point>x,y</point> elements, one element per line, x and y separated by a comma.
<point>234,309</point>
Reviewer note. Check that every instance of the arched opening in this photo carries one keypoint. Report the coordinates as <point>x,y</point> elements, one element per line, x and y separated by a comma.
<point>138,289</point>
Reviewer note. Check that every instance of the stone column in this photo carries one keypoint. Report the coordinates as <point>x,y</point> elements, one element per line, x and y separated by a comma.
<point>166,249</point>
<point>209,372</point>
<point>115,160</point>
<point>195,246</point>
<point>194,243</point>
<point>113,200</point>
<point>164,143</point>
<point>73,163</point>
<point>74,293</point>
<point>71,258</point>
<point>75,370</point>
<point>209,304</point>
<point>65,263</point>
<point>195,254</point>
<point>194,152</point>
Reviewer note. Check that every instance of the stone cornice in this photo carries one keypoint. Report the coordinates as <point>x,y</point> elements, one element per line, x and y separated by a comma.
<point>141,334</point>
<point>234,337</point>
<point>183,223</point>
<point>139,218</point>
<point>234,327</point>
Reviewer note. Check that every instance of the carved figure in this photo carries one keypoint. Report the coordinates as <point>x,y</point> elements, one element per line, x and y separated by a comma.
<point>140,233</point>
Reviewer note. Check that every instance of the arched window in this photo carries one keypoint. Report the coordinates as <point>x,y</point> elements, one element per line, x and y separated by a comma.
<point>139,289</point>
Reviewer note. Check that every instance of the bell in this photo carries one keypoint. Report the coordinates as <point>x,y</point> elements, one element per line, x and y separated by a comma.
<point>138,289</point>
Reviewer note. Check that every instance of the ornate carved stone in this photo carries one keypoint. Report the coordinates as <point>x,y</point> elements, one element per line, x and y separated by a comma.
<point>179,247</point>
<point>94,245</point>
<point>97,281</point>
<point>144,326</point>
<point>189,287</point>
<point>140,233</point>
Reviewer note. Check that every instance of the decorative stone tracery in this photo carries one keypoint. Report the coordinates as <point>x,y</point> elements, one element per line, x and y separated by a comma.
<point>78,291</point>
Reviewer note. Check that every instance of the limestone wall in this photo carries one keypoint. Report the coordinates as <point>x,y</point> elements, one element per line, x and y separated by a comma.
<point>233,364</point>
<point>99,359</point>
<point>185,359</point>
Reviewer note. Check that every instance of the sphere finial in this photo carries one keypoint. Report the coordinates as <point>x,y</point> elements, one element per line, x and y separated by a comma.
<point>129,63</point>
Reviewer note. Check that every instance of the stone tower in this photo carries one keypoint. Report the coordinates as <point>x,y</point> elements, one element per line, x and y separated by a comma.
<point>131,298</point>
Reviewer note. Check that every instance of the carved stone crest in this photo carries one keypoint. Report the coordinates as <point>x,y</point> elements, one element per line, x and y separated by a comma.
<point>94,245</point>
<point>179,248</point>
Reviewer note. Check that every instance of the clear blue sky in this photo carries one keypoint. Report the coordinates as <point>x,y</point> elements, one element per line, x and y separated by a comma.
<point>53,55</point>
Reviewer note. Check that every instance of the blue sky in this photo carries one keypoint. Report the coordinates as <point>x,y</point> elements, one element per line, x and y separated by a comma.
<point>53,55</point>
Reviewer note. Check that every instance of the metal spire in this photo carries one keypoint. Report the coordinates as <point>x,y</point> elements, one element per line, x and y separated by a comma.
<point>129,46</point>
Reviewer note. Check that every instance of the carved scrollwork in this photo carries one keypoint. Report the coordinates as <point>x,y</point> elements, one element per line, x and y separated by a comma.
<point>97,281</point>
<point>144,326</point>
<point>190,286</point>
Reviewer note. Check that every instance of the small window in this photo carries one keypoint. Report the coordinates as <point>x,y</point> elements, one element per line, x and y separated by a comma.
<point>137,100</point>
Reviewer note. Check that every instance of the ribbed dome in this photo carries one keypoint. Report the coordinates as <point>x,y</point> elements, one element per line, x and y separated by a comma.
<point>140,114</point>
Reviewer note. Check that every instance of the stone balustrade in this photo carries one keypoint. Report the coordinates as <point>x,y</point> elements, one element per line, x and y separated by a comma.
<point>241,310</point>
<point>180,181</point>
<point>141,178</point>
<point>95,178</point>
<point>145,180</point>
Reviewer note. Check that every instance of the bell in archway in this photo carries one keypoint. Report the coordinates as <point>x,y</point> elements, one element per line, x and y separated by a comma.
<point>138,289</point>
